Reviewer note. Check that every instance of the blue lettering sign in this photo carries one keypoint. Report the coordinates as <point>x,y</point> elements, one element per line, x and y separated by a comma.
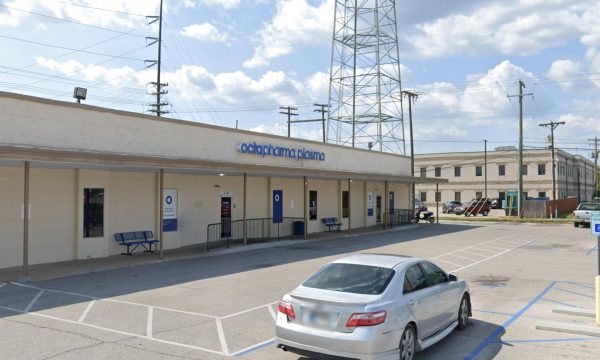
<point>280,151</point>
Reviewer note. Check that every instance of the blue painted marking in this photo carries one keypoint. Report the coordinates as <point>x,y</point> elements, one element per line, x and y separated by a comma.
<point>592,250</point>
<point>255,348</point>
<point>510,342</point>
<point>493,312</point>
<point>574,292</point>
<point>561,303</point>
<point>507,323</point>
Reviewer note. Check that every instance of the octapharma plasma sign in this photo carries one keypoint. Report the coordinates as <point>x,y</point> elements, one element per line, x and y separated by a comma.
<point>280,151</point>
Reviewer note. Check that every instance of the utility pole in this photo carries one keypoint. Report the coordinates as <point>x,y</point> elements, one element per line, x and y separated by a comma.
<point>157,106</point>
<point>289,114</point>
<point>322,111</point>
<point>520,191</point>
<point>485,164</point>
<point>553,125</point>
<point>595,140</point>
<point>412,97</point>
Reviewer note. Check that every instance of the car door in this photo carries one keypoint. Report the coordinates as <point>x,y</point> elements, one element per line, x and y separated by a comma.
<point>447,292</point>
<point>422,300</point>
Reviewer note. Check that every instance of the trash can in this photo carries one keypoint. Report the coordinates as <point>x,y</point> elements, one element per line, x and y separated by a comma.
<point>298,228</point>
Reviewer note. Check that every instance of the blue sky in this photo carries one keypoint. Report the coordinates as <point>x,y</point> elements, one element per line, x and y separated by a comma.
<point>228,60</point>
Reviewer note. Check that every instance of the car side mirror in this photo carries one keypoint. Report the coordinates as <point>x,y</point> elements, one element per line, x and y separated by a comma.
<point>452,277</point>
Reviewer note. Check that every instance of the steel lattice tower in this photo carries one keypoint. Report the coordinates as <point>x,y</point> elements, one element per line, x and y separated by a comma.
<point>365,87</point>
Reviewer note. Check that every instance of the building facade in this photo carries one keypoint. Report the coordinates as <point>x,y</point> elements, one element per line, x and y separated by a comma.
<point>466,173</point>
<point>88,173</point>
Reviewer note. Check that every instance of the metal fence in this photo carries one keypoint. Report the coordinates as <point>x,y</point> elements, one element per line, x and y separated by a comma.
<point>257,230</point>
<point>398,217</point>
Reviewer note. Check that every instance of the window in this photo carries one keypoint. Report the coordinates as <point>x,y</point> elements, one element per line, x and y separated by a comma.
<point>478,171</point>
<point>93,213</point>
<point>415,278</point>
<point>433,274</point>
<point>501,170</point>
<point>312,201</point>
<point>542,194</point>
<point>457,196</point>
<point>345,204</point>
<point>541,169</point>
<point>478,194</point>
<point>423,172</point>
<point>457,171</point>
<point>351,278</point>
<point>438,171</point>
<point>438,196</point>
<point>524,169</point>
<point>502,195</point>
<point>423,196</point>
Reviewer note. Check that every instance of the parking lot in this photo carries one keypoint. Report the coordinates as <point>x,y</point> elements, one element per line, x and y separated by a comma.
<point>223,306</point>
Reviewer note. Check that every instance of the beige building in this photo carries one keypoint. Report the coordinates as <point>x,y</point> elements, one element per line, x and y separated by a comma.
<point>466,174</point>
<point>88,173</point>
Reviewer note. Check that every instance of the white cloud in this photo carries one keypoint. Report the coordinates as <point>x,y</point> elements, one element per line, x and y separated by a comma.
<point>295,23</point>
<point>567,74</point>
<point>296,132</point>
<point>226,4</point>
<point>205,32</point>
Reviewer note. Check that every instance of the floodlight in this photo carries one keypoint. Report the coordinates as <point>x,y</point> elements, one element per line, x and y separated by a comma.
<point>79,93</point>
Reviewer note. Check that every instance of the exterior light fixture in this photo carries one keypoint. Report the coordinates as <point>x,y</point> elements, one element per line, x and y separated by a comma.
<point>79,93</point>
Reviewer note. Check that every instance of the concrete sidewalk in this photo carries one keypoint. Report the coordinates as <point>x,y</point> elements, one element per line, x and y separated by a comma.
<point>42,272</point>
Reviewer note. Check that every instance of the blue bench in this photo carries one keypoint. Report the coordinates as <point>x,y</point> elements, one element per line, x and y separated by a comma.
<point>135,239</point>
<point>331,222</point>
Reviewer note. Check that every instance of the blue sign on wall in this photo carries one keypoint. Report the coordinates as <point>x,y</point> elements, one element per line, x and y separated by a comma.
<point>277,206</point>
<point>391,201</point>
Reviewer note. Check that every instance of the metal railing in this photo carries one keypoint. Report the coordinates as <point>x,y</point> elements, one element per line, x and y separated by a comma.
<point>257,230</point>
<point>477,207</point>
<point>398,217</point>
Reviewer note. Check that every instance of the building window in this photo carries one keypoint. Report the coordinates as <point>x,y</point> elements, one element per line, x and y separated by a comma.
<point>502,195</point>
<point>478,171</point>
<point>542,194</point>
<point>457,171</point>
<point>423,172</point>
<point>438,171</point>
<point>312,201</point>
<point>345,204</point>
<point>541,169</point>
<point>423,196</point>
<point>524,169</point>
<point>478,194</point>
<point>501,170</point>
<point>93,213</point>
<point>457,196</point>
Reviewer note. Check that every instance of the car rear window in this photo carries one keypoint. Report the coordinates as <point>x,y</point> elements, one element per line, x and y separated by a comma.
<point>594,207</point>
<point>351,278</point>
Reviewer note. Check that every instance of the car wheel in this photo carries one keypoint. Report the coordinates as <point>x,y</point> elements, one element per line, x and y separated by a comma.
<point>576,224</point>
<point>463,313</point>
<point>408,343</point>
<point>485,213</point>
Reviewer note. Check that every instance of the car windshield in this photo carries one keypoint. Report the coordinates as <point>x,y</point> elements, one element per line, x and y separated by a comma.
<point>351,278</point>
<point>593,207</point>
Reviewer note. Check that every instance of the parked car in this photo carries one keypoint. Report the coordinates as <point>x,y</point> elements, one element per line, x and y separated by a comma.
<point>581,215</point>
<point>478,206</point>
<point>496,203</point>
<point>372,306</point>
<point>448,206</point>
<point>419,205</point>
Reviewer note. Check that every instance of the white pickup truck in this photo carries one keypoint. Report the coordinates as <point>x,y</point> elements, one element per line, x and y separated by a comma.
<point>581,215</point>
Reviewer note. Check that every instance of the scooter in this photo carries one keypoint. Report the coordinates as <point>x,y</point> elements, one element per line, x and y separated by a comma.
<point>427,216</point>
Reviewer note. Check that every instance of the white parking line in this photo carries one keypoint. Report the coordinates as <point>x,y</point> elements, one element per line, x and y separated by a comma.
<point>463,257</point>
<point>272,312</point>
<point>86,311</point>
<point>35,299</point>
<point>473,253</point>
<point>483,250</point>
<point>247,310</point>
<point>222,340</point>
<point>500,253</point>
<point>449,262</point>
<point>2,284</point>
<point>149,321</point>
<point>493,247</point>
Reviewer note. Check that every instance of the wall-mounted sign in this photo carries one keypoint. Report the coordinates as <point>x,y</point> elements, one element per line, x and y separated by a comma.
<point>170,210</point>
<point>391,202</point>
<point>279,151</point>
<point>277,206</point>
<point>226,193</point>
<point>369,203</point>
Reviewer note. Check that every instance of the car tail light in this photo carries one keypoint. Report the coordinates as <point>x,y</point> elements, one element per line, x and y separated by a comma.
<point>285,307</point>
<point>366,319</point>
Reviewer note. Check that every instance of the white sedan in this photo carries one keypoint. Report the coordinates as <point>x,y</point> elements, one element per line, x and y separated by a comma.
<point>372,306</point>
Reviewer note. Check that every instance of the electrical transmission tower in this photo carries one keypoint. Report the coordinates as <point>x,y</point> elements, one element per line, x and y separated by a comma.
<point>159,106</point>
<point>365,87</point>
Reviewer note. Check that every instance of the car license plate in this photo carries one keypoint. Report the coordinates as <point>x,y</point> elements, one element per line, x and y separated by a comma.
<point>320,318</point>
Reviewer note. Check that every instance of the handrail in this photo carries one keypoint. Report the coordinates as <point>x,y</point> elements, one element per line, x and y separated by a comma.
<point>477,207</point>
<point>398,217</point>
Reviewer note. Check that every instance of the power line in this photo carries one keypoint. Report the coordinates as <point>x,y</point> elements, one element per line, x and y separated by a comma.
<point>97,8</point>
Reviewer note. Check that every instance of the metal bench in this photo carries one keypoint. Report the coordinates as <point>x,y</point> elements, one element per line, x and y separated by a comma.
<point>135,239</point>
<point>331,222</point>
